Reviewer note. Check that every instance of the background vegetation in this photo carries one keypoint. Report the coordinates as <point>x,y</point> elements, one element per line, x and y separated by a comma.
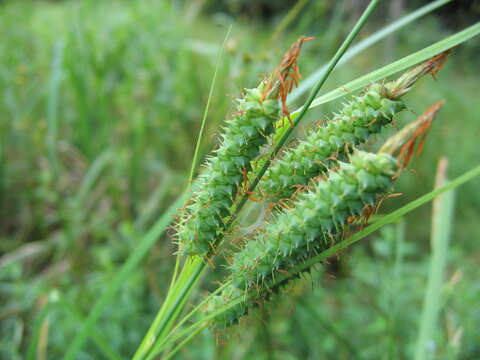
<point>101,104</point>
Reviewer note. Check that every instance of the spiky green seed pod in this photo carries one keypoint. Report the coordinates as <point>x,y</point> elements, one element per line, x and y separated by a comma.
<point>232,315</point>
<point>318,218</point>
<point>362,117</point>
<point>216,188</point>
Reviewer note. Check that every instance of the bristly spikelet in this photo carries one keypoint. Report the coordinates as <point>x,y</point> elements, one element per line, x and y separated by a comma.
<point>354,124</point>
<point>232,315</point>
<point>217,187</point>
<point>253,122</point>
<point>319,217</point>
<point>363,116</point>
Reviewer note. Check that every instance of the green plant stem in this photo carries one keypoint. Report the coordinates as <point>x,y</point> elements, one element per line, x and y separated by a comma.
<point>159,320</point>
<point>183,343</point>
<point>52,105</point>
<point>442,220</point>
<point>160,345</point>
<point>167,320</point>
<point>207,107</point>
<point>365,44</point>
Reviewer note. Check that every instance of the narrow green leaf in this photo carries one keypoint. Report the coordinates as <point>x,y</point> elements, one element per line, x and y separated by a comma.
<point>38,324</point>
<point>52,104</point>
<point>366,43</point>
<point>207,107</point>
<point>388,70</point>
<point>442,220</point>
<point>159,321</point>
<point>107,297</point>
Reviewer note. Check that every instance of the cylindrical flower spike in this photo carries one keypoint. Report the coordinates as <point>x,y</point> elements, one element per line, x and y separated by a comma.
<point>318,218</point>
<point>244,134</point>
<point>217,187</point>
<point>363,116</point>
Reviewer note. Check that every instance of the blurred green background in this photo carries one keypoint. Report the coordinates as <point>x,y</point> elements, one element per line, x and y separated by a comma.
<point>100,105</point>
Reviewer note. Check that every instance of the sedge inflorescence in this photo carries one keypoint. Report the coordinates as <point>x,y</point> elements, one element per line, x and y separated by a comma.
<point>217,186</point>
<point>214,192</point>
<point>340,183</point>
<point>354,124</point>
<point>318,219</point>
<point>363,116</point>
<point>355,181</point>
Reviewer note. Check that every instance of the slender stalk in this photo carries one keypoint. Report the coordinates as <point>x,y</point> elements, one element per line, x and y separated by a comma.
<point>158,321</point>
<point>442,220</point>
<point>207,107</point>
<point>184,342</point>
<point>365,44</point>
<point>160,345</point>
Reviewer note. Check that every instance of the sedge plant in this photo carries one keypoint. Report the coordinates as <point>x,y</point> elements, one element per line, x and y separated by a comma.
<point>232,174</point>
<point>291,242</point>
<point>195,265</point>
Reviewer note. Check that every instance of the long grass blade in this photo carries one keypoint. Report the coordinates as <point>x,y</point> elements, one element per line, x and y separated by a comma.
<point>442,220</point>
<point>38,326</point>
<point>207,107</point>
<point>388,70</point>
<point>52,104</point>
<point>159,322</point>
<point>145,243</point>
<point>366,43</point>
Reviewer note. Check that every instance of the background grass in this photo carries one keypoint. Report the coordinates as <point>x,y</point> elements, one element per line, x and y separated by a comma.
<point>101,103</point>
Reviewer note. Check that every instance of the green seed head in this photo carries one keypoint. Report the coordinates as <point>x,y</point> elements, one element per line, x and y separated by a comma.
<point>319,217</point>
<point>362,117</point>
<point>232,315</point>
<point>216,189</point>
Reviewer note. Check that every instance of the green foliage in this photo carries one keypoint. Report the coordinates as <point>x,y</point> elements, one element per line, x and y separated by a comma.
<point>100,108</point>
